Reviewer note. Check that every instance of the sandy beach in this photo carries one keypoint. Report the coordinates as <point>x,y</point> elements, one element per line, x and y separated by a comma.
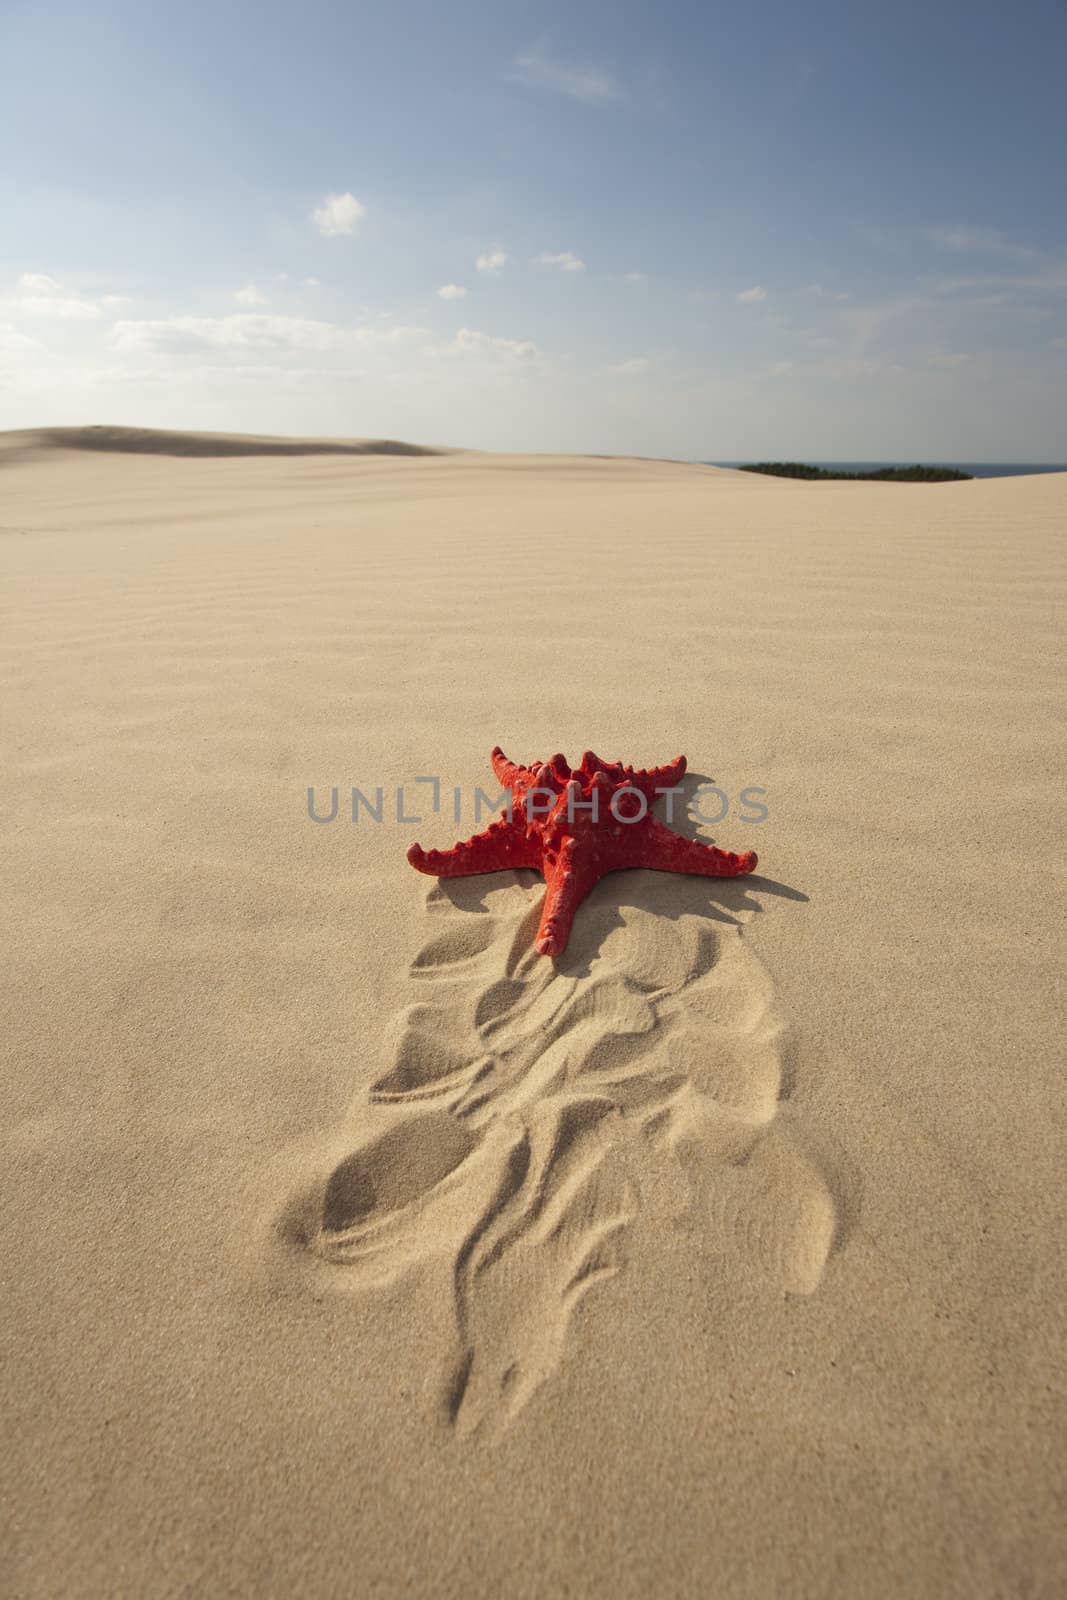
<point>352,1248</point>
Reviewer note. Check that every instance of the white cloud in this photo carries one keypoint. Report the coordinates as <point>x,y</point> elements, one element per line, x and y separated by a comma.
<point>400,334</point>
<point>491,261</point>
<point>111,302</point>
<point>636,277</point>
<point>250,296</point>
<point>588,84</point>
<point>451,291</point>
<point>780,369</point>
<point>311,283</point>
<point>338,214</point>
<point>37,283</point>
<point>240,331</point>
<point>751,296</point>
<point>565,260</point>
<point>244,331</point>
<point>632,367</point>
<point>11,339</point>
<point>468,341</point>
<point>38,295</point>
<point>68,308</point>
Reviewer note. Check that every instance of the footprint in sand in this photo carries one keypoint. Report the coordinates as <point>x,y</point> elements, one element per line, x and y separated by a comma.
<point>504,1138</point>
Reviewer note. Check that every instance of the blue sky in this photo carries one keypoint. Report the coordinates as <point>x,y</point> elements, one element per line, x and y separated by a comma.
<point>835,231</point>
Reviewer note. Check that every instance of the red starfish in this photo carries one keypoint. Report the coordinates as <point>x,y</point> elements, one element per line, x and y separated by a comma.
<point>573,827</point>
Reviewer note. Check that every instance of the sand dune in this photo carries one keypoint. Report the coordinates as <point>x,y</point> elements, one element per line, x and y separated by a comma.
<point>351,1247</point>
<point>28,444</point>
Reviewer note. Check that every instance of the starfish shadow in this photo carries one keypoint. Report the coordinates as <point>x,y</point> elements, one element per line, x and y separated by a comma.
<point>617,899</point>
<point>688,817</point>
<point>621,896</point>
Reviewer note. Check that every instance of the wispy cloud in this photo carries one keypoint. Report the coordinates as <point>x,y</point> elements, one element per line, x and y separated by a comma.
<point>978,241</point>
<point>591,85</point>
<point>565,260</point>
<point>635,277</point>
<point>469,341</point>
<point>631,368</point>
<point>451,291</point>
<point>867,323</point>
<point>245,331</point>
<point>1049,278</point>
<point>249,295</point>
<point>841,369</point>
<point>338,214</point>
<point>949,358</point>
<point>749,297</point>
<point>491,261</point>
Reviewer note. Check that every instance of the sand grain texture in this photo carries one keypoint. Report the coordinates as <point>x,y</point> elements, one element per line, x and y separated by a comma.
<point>351,1248</point>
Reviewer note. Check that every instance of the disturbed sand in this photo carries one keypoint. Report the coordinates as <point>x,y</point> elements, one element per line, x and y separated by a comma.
<point>352,1248</point>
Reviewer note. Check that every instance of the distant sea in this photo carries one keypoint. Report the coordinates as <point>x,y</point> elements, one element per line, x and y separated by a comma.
<point>977,469</point>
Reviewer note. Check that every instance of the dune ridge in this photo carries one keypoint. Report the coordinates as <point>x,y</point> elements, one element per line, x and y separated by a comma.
<point>32,443</point>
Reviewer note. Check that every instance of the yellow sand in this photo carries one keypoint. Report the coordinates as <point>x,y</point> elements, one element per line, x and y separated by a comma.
<point>351,1249</point>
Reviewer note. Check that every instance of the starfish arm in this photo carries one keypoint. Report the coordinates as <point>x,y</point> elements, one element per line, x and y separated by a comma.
<point>508,772</point>
<point>663,850</point>
<point>501,846</point>
<point>568,882</point>
<point>649,779</point>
